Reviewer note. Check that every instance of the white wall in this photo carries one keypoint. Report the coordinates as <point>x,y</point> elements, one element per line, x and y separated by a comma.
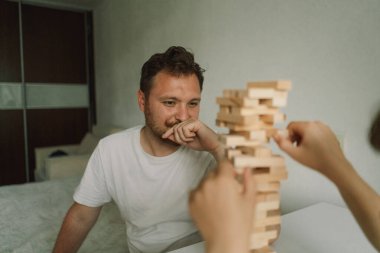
<point>330,49</point>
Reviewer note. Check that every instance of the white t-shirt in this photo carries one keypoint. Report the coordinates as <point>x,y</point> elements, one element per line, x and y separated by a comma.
<point>151,192</point>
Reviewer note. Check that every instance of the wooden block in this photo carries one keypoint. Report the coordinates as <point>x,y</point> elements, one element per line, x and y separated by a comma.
<point>225,102</point>
<point>273,213</point>
<point>276,174</point>
<point>259,151</point>
<point>277,169</point>
<point>261,93</point>
<point>284,85</point>
<point>264,197</point>
<point>259,214</point>
<point>220,123</point>
<point>268,205</point>
<point>267,201</point>
<point>258,244</point>
<point>225,109</point>
<point>230,140</point>
<point>235,93</point>
<point>278,100</point>
<point>259,125</point>
<point>259,240</point>
<point>237,119</point>
<point>260,170</point>
<point>252,162</point>
<point>258,135</point>
<point>237,102</point>
<point>268,187</point>
<point>264,235</point>
<point>273,118</point>
<point>283,132</point>
<point>267,221</point>
<point>276,227</point>
<point>273,131</point>
<point>262,214</point>
<point>258,110</point>
<point>273,227</point>
<point>230,153</point>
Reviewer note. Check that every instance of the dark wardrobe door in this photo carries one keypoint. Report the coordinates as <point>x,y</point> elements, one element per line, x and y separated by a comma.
<point>54,43</point>
<point>12,152</point>
<point>46,83</point>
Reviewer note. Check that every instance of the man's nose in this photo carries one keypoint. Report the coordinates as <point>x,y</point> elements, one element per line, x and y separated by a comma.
<point>182,113</point>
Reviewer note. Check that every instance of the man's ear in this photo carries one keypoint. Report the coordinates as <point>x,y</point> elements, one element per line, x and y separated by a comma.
<point>141,100</point>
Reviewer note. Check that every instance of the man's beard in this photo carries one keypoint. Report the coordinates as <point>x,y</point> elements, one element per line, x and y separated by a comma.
<point>157,130</point>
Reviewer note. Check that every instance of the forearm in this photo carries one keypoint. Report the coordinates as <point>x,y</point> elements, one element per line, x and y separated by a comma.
<point>362,200</point>
<point>70,237</point>
<point>219,153</point>
<point>74,231</point>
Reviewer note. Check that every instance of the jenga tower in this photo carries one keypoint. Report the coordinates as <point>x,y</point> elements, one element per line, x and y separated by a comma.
<point>250,114</point>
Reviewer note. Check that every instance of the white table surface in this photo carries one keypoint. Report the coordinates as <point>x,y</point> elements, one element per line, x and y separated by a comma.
<point>320,228</point>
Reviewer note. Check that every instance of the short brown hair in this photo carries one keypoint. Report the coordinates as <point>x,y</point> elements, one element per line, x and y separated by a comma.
<point>176,61</point>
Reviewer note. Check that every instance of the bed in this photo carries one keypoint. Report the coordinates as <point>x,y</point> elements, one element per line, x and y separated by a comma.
<point>31,216</point>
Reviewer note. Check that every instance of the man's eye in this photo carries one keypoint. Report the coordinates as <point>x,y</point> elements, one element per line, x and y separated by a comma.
<point>169,103</point>
<point>193,104</point>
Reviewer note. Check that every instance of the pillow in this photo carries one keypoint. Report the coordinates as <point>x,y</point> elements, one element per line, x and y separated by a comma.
<point>88,144</point>
<point>58,153</point>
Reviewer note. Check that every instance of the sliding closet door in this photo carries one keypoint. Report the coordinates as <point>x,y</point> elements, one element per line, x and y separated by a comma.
<point>55,70</point>
<point>46,83</point>
<point>12,152</point>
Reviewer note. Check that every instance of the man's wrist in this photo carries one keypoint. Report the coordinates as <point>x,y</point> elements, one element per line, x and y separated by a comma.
<point>219,153</point>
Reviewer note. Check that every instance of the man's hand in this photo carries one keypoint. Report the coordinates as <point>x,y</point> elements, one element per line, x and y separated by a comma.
<point>223,209</point>
<point>195,135</point>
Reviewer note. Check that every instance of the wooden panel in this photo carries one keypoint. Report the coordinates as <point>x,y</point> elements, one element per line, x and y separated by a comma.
<point>54,45</point>
<point>12,152</point>
<point>10,70</point>
<point>50,127</point>
<point>91,69</point>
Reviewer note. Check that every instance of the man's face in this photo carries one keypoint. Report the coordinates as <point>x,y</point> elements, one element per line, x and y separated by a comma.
<point>171,100</point>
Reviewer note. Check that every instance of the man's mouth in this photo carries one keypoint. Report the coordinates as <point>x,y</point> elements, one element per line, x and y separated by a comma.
<point>172,124</point>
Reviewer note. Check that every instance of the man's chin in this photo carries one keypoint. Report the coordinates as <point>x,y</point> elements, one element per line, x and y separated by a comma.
<point>171,142</point>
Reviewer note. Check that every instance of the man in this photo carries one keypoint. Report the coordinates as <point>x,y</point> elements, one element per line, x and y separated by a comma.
<point>148,170</point>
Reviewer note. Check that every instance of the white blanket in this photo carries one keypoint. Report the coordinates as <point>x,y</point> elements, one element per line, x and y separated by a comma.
<point>31,216</point>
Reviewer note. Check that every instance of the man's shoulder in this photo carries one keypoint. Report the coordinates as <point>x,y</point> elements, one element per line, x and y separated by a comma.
<point>196,154</point>
<point>121,137</point>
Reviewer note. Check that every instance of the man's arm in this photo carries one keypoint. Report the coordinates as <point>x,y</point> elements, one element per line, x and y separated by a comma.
<point>196,135</point>
<point>76,225</point>
<point>318,148</point>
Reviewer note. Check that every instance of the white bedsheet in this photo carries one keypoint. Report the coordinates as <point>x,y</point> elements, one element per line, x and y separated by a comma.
<point>31,216</point>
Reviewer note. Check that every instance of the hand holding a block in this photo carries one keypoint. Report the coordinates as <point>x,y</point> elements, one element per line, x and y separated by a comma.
<point>314,145</point>
<point>223,209</point>
<point>317,147</point>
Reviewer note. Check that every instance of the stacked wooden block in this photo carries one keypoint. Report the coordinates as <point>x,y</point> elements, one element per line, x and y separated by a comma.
<point>251,115</point>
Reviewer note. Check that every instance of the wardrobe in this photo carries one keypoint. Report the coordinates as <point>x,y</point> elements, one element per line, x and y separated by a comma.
<point>47,90</point>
